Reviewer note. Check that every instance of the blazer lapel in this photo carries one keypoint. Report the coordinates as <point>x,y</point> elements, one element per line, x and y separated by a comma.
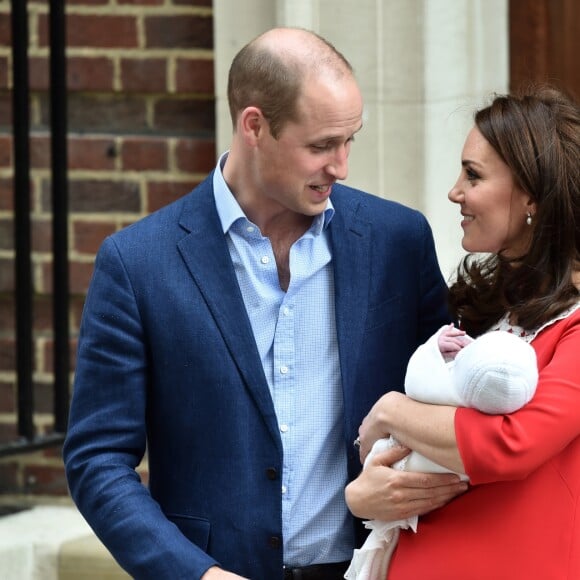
<point>350,239</point>
<point>207,257</point>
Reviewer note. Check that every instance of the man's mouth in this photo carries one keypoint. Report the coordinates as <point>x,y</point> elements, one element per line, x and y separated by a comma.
<point>321,188</point>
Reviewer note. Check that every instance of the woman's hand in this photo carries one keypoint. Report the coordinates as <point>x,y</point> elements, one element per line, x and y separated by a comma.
<point>387,494</point>
<point>374,425</point>
<point>427,429</point>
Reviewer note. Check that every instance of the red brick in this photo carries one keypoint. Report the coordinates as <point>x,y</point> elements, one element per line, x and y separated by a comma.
<point>195,155</point>
<point>100,115</point>
<point>79,277</point>
<point>8,471</point>
<point>52,452</point>
<point>94,153</point>
<point>94,30</point>
<point>6,194</point>
<point>160,194</point>
<point>179,32</point>
<point>5,110</point>
<point>104,114</point>
<point>34,203</point>
<point>40,151</point>
<point>77,304</point>
<point>73,348</point>
<point>90,74</point>
<point>38,73</point>
<point>144,74</point>
<point>103,196</point>
<point>7,316</point>
<point>45,480</point>
<point>91,153</point>
<point>3,73</point>
<point>42,312</point>
<point>128,222</point>
<point>41,235</point>
<point>88,236</point>
<point>44,403</point>
<point>7,354</point>
<point>6,234</point>
<point>5,29</point>
<point>185,117</point>
<point>42,392</point>
<point>5,150</point>
<point>6,275</point>
<point>144,154</point>
<point>194,76</point>
<point>7,397</point>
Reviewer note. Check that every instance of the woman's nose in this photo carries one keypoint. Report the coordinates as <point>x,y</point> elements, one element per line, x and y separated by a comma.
<point>454,194</point>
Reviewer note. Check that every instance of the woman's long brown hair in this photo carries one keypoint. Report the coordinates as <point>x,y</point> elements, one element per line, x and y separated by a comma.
<point>537,135</point>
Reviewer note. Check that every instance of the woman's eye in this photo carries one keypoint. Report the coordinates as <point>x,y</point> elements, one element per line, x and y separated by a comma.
<point>471,175</point>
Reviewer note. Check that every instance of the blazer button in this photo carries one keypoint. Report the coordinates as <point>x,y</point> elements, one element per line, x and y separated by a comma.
<point>272,473</point>
<point>274,542</point>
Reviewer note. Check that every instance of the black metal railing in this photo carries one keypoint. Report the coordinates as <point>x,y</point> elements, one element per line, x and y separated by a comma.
<point>27,437</point>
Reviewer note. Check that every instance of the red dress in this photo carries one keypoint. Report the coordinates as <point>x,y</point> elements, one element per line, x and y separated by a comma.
<point>521,517</point>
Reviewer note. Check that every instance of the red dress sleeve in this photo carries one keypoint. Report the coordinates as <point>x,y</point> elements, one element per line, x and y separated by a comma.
<point>509,447</point>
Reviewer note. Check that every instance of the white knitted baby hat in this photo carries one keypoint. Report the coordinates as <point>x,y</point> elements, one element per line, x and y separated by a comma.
<point>496,373</point>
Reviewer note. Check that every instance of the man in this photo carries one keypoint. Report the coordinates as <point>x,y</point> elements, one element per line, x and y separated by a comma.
<point>242,334</point>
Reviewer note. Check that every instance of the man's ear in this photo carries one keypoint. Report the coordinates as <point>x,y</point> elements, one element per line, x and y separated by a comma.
<point>251,124</point>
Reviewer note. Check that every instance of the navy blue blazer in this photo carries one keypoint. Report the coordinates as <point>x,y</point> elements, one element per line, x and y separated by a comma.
<point>167,362</point>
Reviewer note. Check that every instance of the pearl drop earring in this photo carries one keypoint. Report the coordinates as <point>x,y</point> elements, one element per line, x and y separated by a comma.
<point>529,218</point>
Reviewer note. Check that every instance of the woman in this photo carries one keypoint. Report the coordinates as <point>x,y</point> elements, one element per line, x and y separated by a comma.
<point>519,198</point>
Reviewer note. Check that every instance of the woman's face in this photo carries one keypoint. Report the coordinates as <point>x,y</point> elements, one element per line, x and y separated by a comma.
<point>494,208</point>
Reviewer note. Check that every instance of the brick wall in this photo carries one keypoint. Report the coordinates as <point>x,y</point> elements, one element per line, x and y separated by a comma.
<point>141,134</point>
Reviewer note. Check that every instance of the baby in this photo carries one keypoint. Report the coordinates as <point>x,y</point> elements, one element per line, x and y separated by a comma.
<point>495,373</point>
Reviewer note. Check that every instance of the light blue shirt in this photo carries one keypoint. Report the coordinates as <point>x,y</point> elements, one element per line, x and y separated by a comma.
<point>295,332</point>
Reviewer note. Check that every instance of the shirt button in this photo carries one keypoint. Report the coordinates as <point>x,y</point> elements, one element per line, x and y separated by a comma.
<point>274,542</point>
<point>284,489</point>
<point>284,369</point>
<point>264,259</point>
<point>283,428</point>
<point>250,229</point>
<point>286,311</point>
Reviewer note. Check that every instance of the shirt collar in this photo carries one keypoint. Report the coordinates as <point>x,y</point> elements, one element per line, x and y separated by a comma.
<point>229,211</point>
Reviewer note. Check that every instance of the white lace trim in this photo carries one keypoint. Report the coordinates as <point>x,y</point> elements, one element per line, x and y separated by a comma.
<point>529,335</point>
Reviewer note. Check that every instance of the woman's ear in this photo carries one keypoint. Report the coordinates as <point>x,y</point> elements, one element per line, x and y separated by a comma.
<point>531,206</point>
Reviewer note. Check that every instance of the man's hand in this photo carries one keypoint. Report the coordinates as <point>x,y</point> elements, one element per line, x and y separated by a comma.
<point>216,573</point>
<point>386,494</point>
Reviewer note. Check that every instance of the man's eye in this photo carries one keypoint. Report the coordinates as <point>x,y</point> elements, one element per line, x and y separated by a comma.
<point>324,147</point>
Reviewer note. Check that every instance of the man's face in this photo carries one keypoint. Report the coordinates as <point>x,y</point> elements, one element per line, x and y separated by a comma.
<point>296,172</point>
